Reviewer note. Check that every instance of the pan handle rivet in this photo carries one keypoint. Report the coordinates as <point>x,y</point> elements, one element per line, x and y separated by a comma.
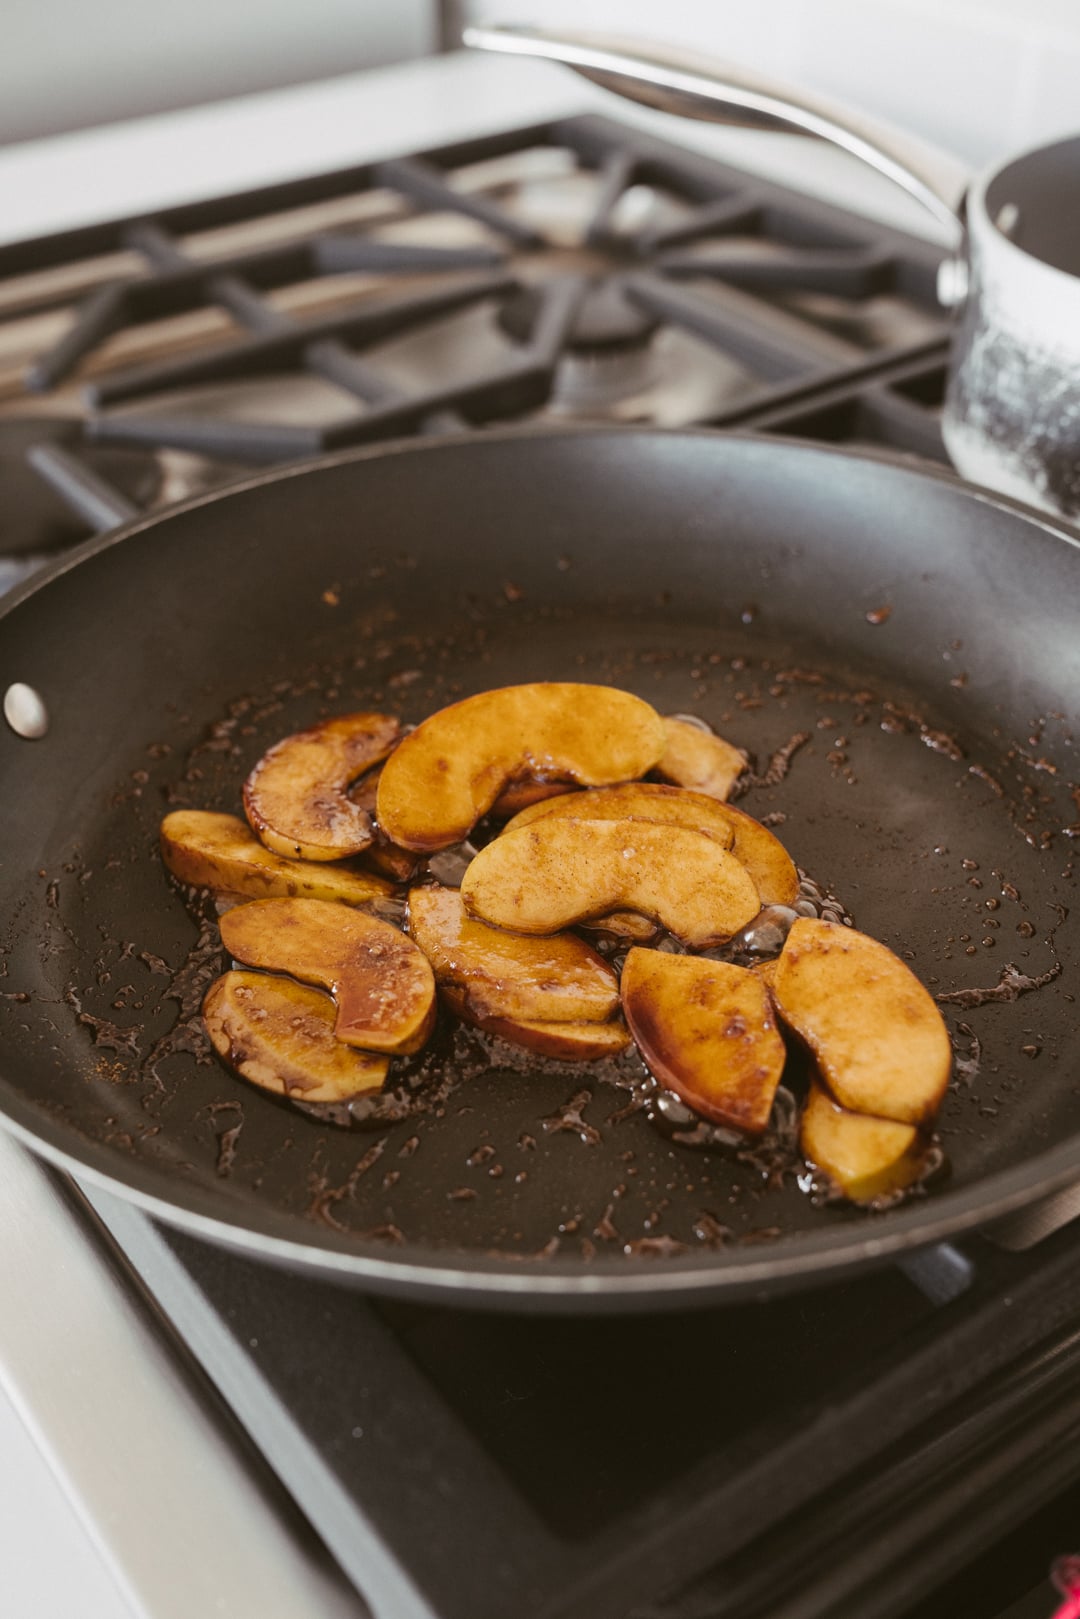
<point>25,712</point>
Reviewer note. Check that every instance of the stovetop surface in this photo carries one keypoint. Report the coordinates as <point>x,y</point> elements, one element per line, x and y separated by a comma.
<point>849,1450</point>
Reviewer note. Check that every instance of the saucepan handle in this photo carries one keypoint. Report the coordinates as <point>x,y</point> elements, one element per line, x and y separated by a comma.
<point>719,92</point>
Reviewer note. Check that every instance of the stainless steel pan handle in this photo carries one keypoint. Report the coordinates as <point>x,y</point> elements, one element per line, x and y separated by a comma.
<point>719,92</point>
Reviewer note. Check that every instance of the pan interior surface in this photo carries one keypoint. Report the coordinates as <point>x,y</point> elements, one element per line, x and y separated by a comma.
<point>899,650</point>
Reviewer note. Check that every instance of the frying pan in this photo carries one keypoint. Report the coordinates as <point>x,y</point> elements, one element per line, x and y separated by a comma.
<point>919,634</point>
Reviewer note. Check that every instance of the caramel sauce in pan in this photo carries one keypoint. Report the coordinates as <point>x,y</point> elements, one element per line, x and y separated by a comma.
<point>425,1093</point>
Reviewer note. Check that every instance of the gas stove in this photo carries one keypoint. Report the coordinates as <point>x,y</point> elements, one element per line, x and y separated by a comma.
<point>905,1445</point>
<point>574,271</point>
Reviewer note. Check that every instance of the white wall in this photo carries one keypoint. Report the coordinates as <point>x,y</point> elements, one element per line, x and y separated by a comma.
<point>66,64</point>
<point>984,77</point>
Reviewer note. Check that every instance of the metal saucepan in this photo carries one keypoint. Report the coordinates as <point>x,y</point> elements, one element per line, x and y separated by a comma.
<point>919,636</point>
<point>1012,410</point>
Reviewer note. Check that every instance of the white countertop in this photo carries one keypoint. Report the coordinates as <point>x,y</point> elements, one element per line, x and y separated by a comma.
<point>96,1401</point>
<point>151,163</point>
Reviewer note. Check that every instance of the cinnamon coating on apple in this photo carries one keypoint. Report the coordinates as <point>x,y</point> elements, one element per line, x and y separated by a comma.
<point>354,945</point>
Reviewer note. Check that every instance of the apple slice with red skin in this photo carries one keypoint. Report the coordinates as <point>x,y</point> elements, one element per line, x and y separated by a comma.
<point>279,1036</point>
<point>297,799</point>
<point>448,773</point>
<point>546,980</point>
<point>382,984</point>
<point>400,865</point>
<point>706,1030</point>
<point>565,1042</point>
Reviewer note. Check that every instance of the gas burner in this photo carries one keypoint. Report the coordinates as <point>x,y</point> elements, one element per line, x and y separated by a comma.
<point>592,384</point>
<point>608,356</point>
<point>606,321</point>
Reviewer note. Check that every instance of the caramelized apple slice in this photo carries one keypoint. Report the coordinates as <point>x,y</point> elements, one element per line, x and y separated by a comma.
<point>558,980</point>
<point>221,852</point>
<point>381,855</point>
<point>448,772</point>
<point>706,1030</point>
<point>382,984</point>
<point>296,798</point>
<point>280,1036</point>
<point>752,844</point>
<point>866,1158</point>
<point>764,857</point>
<point>637,801</point>
<point>880,1042</point>
<point>697,758</point>
<point>555,872</point>
<point>566,1042</point>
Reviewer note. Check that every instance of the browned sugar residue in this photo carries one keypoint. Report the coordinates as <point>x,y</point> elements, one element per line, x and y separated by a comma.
<point>1011,984</point>
<point>777,768</point>
<point>764,1233</point>
<point>879,615</point>
<point>200,967</point>
<point>605,1229</point>
<point>990,781</point>
<point>384,1233</point>
<point>941,742</point>
<point>708,1230</point>
<point>325,1198</point>
<point>967,1053</point>
<point>653,1247</point>
<point>110,1036</point>
<point>227,1138</point>
<point>227,1145</point>
<point>569,1118</point>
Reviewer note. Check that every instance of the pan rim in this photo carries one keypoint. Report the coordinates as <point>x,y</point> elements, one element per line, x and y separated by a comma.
<point>1055,527</point>
<point>814,1259</point>
<point>808,1259</point>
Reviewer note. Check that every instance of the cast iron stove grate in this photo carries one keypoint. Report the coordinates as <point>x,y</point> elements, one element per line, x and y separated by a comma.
<point>577,271</point>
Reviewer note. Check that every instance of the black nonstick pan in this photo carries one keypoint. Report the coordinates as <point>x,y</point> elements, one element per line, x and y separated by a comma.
<point>898,652</point>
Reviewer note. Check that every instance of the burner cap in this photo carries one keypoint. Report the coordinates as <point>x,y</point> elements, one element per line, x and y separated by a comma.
<point>607,320</point>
